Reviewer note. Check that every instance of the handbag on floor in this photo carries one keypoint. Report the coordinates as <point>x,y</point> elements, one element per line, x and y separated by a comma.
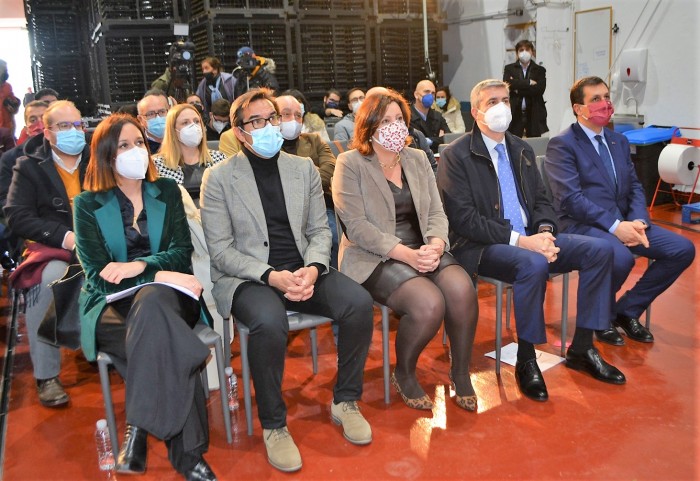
<point>61,324</point>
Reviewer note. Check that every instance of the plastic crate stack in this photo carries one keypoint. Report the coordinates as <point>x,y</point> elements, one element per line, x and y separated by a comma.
<point>130,40</point>
<point>58,49</point>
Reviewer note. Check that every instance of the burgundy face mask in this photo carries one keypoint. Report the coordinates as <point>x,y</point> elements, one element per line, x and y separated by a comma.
<point>599,112</point>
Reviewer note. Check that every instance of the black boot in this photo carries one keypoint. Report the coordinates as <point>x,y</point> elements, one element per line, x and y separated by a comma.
<point>132,456</point>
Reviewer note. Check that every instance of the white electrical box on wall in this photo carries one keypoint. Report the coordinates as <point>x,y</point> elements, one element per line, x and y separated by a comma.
<point>633,65</point>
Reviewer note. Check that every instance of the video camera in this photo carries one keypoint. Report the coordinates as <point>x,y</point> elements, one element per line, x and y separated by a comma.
<point>246,59</point>
<point>181,58</point>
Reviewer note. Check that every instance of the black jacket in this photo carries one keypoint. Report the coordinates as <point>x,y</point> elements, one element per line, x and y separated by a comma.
<point>37,206</point>
<point>8,161</point>
<point>536,121</point>
<point>431,126</point>
<point>471,195</point>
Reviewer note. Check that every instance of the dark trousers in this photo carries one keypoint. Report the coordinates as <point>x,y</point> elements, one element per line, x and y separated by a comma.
<point>671,252</point>
<point>263,310</point>
<point>149,337</point>
<point>528,272</point>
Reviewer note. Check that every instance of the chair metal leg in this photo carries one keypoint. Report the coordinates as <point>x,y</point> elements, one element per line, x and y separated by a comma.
<point>245,367</point>
<point>509,303</point>
<point>499,320</point>
<point>314,349</point>
<point>564,311</point>
<point>205,381</point>
<point>102,365</point>
<point>385,351</point>
<point>219,352</point>
<point>227,341</point>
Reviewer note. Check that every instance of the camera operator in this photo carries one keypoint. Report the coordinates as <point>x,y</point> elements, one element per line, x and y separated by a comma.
<point>253,72</point>
<point>175,81</point>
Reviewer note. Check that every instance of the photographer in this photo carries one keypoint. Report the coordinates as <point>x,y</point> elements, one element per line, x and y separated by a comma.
<point>253,72</point>
<point>175,81</point>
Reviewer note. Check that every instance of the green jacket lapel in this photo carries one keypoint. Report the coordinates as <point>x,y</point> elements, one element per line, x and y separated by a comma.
<point>155,210</point>
<point>109,219</point>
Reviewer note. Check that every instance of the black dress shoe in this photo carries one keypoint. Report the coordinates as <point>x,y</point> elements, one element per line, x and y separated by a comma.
<point>633,328</point>
<point>201,472</point>
<point>7,262</point>
<point>610,336</point>
<point>530,380</point>
<point>591,362</point>
<point>132,455</point>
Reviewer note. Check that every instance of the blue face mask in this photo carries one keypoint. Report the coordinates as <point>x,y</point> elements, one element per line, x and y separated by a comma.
<point>71,142</point>
<point>427,100</point>
<point>441,103</point>
<point>266,141</point>
<point>156,126</point>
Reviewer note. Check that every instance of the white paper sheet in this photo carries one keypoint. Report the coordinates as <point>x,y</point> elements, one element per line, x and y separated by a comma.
<point>509,353</point>
<point>127,292</point>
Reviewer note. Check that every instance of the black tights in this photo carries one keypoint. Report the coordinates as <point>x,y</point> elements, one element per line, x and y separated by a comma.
<point>422,304</point>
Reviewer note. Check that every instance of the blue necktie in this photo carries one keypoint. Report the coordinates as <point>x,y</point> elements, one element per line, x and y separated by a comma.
<point>607,161</point>
<point>511,204</point>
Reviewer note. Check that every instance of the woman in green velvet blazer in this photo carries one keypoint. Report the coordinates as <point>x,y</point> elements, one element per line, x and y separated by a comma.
<point>131,229</point>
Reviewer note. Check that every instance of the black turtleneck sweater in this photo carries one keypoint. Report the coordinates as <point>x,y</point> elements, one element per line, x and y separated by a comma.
<point>284,254</point>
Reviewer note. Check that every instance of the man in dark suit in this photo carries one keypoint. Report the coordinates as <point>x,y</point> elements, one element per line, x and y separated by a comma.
<point>425,118</point>
<point>597,193</point>
<point>527,82</point>
<point>502,225</point>
<point>39,208</point>
<point>266,229</point>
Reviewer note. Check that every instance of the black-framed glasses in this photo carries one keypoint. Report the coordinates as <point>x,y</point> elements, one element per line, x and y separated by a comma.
<point>155,113</point>
<point>259,123</point>
<point>63,126</point>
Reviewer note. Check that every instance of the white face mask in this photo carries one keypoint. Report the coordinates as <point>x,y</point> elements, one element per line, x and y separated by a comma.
<point>218,125</point>
<point>356,106</point>
<point>190,135</point>
<point>498,117</point>
<point>133,163</point>
<point>524,56</point>
<point>291,129</point>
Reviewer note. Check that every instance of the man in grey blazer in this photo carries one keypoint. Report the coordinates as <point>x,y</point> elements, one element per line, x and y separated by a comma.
<point>266,229</point>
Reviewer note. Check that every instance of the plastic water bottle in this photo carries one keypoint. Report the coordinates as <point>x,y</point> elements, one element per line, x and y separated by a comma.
<point>105,455</point>
<point>232,389</point>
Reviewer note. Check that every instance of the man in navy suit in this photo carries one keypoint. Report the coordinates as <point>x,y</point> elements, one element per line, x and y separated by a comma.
<point>597,193</point>
<point>502,225</point>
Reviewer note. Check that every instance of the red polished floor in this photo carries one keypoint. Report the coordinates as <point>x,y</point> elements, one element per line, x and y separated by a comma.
<point>644,430</point>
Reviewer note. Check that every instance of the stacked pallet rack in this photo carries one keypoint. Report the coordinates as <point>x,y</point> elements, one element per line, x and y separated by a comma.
<point>59,49</point>
<point>220,27</point>
<point>333,45</point>
<point>399,40</point>
<point>130,40</point>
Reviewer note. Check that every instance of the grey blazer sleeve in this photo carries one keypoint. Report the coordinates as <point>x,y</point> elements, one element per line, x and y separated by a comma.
<point>317,232</point>
<point>220,234</point>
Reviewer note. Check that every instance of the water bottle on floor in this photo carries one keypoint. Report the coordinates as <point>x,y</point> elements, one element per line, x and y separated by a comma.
<point>233,405</point>
<point>105,455</point>
<point>231,389</point>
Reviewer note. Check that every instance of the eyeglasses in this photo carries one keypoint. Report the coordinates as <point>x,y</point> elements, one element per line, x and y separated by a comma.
<point>274,119</point>
<point>63,126</point>
<point>290,116</point>
<point>155,113</point>
<point>357,99</point>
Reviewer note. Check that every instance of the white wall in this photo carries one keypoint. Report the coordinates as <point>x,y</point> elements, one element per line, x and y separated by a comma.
<point>476,51</point>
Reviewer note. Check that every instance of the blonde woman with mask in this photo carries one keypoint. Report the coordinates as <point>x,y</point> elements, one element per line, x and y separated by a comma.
<point>183,155</point>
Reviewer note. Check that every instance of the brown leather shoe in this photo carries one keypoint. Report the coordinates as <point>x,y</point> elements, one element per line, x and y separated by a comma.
<point>51,393</point>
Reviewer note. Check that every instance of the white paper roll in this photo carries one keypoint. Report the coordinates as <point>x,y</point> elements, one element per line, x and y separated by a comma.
<point>678,164</point>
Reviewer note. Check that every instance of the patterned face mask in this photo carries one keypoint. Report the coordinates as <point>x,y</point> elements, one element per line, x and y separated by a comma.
<point>392,136</point>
